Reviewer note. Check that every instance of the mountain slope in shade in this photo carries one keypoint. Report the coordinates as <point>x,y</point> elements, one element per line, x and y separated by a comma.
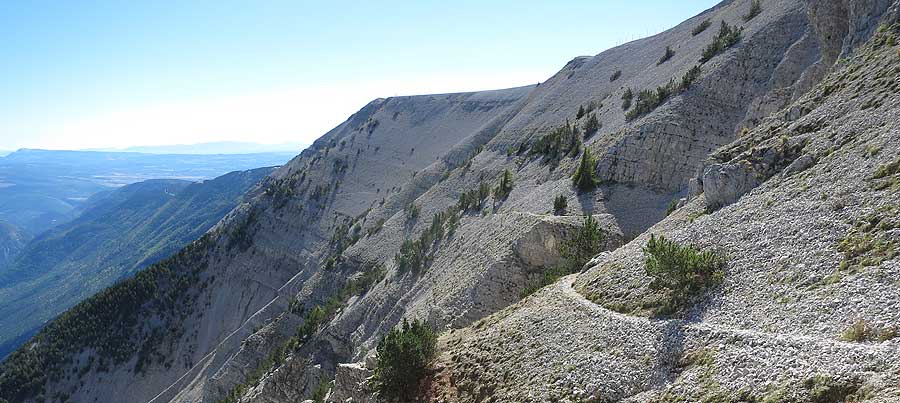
<point>12,240</point>
<point>120,232</point>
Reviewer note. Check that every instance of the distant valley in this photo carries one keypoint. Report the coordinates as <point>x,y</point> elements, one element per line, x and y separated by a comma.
<point>119,232</point>
<point>41,188</point>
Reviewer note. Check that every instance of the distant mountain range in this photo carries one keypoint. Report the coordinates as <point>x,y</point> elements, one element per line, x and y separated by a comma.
<point>119,232</point>
<point>41,188</point>
<point>219,147</point>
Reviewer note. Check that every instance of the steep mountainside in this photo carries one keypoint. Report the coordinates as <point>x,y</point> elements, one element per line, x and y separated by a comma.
<point>12,240</point>
<point>808,307</point>
<point>119,233</point>
<point>402,212</point>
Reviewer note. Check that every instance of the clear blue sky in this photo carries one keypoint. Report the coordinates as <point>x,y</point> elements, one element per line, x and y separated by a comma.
<point>78,74</point>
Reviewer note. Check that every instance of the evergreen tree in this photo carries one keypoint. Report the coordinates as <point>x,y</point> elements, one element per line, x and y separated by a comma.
<point>505,187</point>
<point>584,179</point>
<point>405,356</point>
<point>591,126</point>
<point>559,205</point>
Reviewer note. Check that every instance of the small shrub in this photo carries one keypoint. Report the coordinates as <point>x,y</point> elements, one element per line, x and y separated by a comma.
<point>580,112</point>
<point>755,9</point>
<point>825,389</point>
<point>474,199</point>
<point>405,356</point>
<point>688,79</point>
<point>584,179</point>
<point>586,243</point>
<point>888,169</point>
<point>666,56</point>
<point>862,331</point>
<point>411,256</point>
<point>559,205</point>
<point>615,75</point>
<point>412,211</point>
<point>726,38</point>
<point>559,143</point>
<point>702,27</point>
<point>682,270</point>
<point>591,126</point>
<point>322,389</point>
<point>649,100</point>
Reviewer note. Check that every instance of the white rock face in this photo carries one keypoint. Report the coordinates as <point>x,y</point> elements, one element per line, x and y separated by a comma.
<point>350,384</point>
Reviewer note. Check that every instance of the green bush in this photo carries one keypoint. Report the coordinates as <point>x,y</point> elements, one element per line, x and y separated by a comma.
<point>584,179</point>
<point>559,205</point>
<point>702,27</point>
<point>591,126</point>
<point>649,100</point>
<point>405,356</point>
<point>586,243</point>
<point>580,112</point>
<point>615,75</point>
<point>666,56</point>
<point>412,256</point>
<point>559,143</point>
<point>412,211</point>
<point>755,9</point>
<point>681,270</point>
<point>727,37</point>
<point>474,199</point>
<point>505,187</point>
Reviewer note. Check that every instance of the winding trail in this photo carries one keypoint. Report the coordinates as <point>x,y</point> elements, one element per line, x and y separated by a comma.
<point>566,286</point>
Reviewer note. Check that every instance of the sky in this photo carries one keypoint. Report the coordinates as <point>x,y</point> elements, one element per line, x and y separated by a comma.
<point>114,74</point>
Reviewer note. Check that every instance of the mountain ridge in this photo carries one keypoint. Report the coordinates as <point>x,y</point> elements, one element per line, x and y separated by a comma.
<point>401,173</point>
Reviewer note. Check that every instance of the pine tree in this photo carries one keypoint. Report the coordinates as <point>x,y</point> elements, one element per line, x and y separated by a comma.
<point>505,187</point>
<point>584,179</point>
<point>591,126</point>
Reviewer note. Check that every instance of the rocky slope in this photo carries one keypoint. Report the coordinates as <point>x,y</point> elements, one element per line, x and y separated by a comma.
<point>811,242</point>
<point>229,318</point>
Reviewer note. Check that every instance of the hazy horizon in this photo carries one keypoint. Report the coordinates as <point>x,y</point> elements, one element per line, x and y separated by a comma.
<point>117,75</point>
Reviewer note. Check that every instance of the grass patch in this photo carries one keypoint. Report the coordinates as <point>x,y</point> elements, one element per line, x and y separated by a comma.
<point>863,331</point>
<point>887,176</point>
<point>867,243</point>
